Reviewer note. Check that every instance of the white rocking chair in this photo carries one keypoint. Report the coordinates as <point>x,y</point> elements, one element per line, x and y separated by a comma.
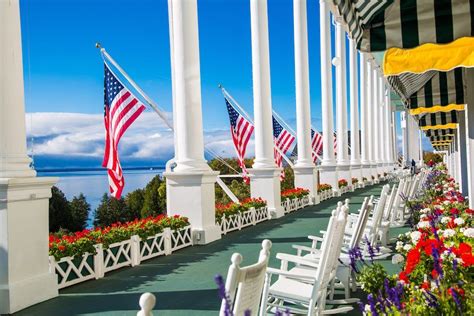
<point>244,285</point>
<point>307,291</point>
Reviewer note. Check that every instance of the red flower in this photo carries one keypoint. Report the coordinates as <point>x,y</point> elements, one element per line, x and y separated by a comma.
<point>403,276</point>
<point>61,248</point>
<point>434,274</point>
<point>425,285</point>
<point>468,259</point>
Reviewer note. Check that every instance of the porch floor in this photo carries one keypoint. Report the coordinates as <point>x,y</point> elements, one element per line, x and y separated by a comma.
<point>184,281</point>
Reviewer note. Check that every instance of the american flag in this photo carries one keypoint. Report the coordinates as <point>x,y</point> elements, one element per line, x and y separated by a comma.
<point>241,130</point>
<point>283,141</point>
<point>121,109</point>
<point>316,144</point>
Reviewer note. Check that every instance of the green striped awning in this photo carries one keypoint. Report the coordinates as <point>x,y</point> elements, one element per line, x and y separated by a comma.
<point>437,119</point>
<point>440,132</point>
<point>377,25</point>
<point>430,89</point>
<point>441,148</point>
<point>441,138</point>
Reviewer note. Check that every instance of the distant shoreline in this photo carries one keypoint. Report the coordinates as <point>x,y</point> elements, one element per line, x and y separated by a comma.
<point>51,170</point>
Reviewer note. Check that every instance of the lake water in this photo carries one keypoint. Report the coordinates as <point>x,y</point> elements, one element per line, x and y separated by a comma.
<point>93,184</point>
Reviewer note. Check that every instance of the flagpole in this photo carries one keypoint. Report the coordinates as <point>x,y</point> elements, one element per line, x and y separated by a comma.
<point>226,94</point>
<point>150,102</point>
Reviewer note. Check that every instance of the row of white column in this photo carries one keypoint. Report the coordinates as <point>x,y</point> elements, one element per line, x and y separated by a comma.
<point>190,186</point>
<point>375,153</point>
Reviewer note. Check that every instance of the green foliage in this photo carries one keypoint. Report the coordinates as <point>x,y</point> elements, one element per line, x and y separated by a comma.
<point>112,210</point>
<point>80,212</point>
<point>65,215</point>
<point>135,199</point>
<point>59,211</point>
<point>372,277</point>
<point>436,158</point>
<point>154,202</point>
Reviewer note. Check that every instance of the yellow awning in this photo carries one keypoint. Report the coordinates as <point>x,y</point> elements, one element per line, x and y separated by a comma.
<point>450,125</point>
<point>440,57</point>
<point>440,143</point>
<point>437,108</point>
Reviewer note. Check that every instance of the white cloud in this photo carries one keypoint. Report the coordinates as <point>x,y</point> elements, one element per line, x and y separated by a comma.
<point>82,135</point>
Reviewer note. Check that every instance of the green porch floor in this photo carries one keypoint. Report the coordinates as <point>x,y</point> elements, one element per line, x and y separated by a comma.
<point>184,281</point>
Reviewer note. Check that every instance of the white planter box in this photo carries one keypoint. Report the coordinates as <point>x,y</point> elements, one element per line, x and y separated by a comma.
<point>130,252</point>
<point>73,270</point>
<point>248,218</point>
<point>181,238</point>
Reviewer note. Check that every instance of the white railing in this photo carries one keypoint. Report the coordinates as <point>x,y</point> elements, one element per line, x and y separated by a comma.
<point>248,218</point>
<point>291,205</point>
<point>130,252</point>
<point>326,194</point>
<point>344,190</point>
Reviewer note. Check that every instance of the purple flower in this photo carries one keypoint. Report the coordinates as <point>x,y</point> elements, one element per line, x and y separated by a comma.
<point>456,299</point>
<point>370,249</point>
<point>223,295</point>
<point>372,304</point>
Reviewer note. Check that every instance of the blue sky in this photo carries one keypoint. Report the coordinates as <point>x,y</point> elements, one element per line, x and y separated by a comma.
<point>64,74</point>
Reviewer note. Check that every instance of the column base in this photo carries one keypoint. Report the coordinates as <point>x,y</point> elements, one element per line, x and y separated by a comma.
<point>307,178</point>
<point>265,184</point>
<point>24,270</point>
<point>328,175</point>
<point>192,194</point>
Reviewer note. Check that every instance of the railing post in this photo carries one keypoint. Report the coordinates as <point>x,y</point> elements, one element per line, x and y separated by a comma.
<point>239,220</point>
<point>254,215</point>
<point>135,250</point>
<point>99,261</point>
<point>167,236</point>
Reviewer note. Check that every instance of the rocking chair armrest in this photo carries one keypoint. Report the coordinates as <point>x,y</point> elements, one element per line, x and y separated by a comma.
<point>297,260</point>
<point>305,248</point>
<point>288,274</point>
<point>315,238</point>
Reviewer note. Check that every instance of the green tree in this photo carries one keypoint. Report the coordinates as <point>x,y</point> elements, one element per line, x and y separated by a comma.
<point>59,211</point>
<point>154,199</point>
<point>112,210</point>
<point>79,212</point>
<point>134,201</point>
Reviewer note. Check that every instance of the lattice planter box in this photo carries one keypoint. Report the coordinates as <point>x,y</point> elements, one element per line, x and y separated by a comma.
<point>326,194</point>
<point>286,205</point>
<point>155,246</point>
<point>248,218</point>
<point>73,270</point>
<point>261,215</point>
<point>118,255</point>
<point>304,201</point>
<point>344,190</point>
<point>181,238</point>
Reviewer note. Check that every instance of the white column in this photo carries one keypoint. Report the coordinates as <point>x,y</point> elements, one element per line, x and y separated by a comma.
<point>306,175</point>
<point>388,146</point>
<point>370,122</point>
<point>364,116</point>
<point>264,182</point>
<point>343,162</point>
<point>469,116</point>
<point>463,161</point>
<point>25,279</point>
<point>394,156</point>
<point>192,178</point>
<point>378,134</point>
<point>328,173</point>
<point>356,170</point>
